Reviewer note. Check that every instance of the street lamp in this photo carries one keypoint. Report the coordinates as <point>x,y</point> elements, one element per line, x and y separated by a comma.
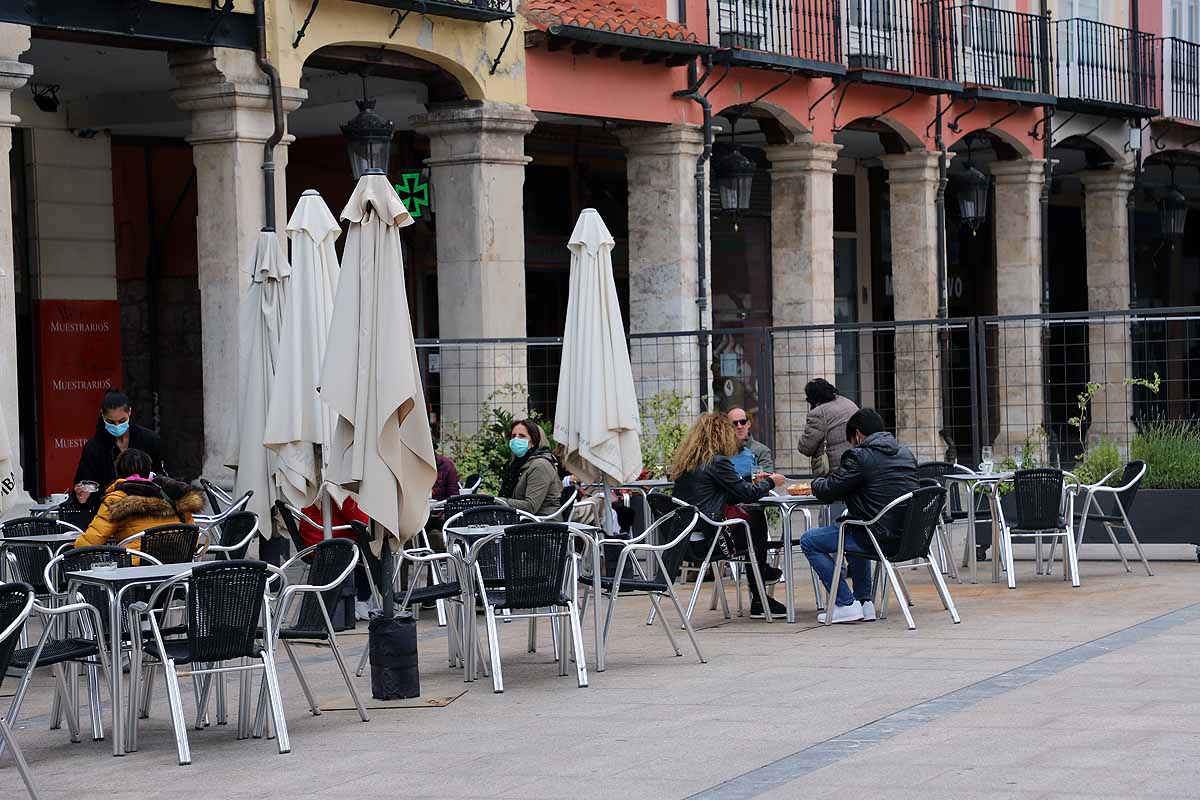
<point>735,179</point>
<point>973,196</point>
<point>1172,211</point>
<point>368,139</point>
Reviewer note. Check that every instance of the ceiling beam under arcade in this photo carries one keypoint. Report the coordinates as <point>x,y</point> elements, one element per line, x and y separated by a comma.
<point>131,23</point>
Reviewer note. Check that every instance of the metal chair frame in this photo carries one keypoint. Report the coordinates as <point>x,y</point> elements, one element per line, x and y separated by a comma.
<point>208,520</point>
<point>629,550</point>
<point>1091,500</point>
<point>750,558</point>
<point>202,540</point>
<point>222,551</point>
<point>577,543</point>
<point>150,611</point>
<point>284,603</point>
<point>1066,532</point>
<point>14,630</point>
<point>888,568</point>
<point>563,513</point>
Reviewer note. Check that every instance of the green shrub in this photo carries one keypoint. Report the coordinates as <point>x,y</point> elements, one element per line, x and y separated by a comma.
<point>1099,460</point>
<point>664,425</point>
<point>1172,451</point>
<point>486,450</point>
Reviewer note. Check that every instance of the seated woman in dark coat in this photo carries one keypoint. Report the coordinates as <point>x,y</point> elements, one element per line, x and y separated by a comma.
<point>706,478</point>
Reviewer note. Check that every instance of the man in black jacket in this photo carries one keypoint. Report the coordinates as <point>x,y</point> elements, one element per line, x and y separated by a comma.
<point>872,474</point>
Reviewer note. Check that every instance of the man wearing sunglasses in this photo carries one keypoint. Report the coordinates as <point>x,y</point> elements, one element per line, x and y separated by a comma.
<point>754,457</point>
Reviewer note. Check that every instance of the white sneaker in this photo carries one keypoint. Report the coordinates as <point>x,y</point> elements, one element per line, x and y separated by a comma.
<point>850,613</point>
<point>868,608</point>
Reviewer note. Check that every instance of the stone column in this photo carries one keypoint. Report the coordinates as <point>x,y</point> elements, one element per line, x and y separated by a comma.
<point>14,40</point>
<point>1019,291</point>
<point>230,103</point>
<point>1106,218</point>
<point>913,182</point>
<point>802,282</point>
<point>661,167</point>
<point>477,163</point>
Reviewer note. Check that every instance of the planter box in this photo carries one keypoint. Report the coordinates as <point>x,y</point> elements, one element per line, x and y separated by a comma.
<point>744,41</point>
<point>1159,516</point>
<point>876,61</point>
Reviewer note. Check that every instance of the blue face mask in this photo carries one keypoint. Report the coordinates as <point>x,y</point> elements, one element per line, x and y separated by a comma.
<point>519,447</point>
<point>117,430</point>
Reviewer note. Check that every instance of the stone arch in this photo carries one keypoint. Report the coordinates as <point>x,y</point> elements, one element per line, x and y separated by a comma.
<point>1007,146</point>
<point>463,49</point>
<point>1097,146</point>
<point>895,136</point>
<point>777,124</point>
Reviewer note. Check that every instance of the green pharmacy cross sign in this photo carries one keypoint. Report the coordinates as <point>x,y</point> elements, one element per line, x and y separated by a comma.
<point>413,189</point>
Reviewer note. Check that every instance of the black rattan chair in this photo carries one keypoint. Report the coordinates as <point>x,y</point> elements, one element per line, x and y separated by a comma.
<point>226,603</point>
<point>332,562</point>
<point>75,515</point>
<point>16,604</point>
<point>459,503</point>
<point>177,543</point>
<point>470,484</point>
<point>922,515</point>
<point>65,642</point>
<point>674,530</point>
<point>540,577</point>
<point>1043,511</point>
<point>28,564</point>
<point>1123,495</point>
<point>234,535</point>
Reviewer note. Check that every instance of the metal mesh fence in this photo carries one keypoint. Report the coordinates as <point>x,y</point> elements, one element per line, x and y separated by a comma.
<point>1051,385</point>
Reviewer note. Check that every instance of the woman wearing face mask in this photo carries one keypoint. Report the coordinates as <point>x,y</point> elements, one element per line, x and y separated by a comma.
<point>115,433</point>
<point>531,483</point>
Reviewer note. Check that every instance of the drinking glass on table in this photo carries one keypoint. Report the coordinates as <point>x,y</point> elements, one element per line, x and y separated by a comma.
<point>987,464</point>
<point>85,489</point>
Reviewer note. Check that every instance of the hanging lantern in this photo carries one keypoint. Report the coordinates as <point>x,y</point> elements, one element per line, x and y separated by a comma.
<point>735,179</point>
<point>1173,210</point>
<point>973,198</point>
<point>368,140</point>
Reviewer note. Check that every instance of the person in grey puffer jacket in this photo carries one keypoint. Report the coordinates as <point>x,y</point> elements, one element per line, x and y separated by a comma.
<point>825,427</point>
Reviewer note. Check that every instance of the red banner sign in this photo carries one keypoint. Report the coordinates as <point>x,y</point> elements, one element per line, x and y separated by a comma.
<point>79,358</point>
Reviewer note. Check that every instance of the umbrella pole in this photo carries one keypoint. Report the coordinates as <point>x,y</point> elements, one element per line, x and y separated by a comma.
<point>326,516</point>
<point>606,526</point>
<point>385,576</point>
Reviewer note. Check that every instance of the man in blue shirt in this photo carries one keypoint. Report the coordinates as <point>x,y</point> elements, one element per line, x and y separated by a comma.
<point>754,457</point>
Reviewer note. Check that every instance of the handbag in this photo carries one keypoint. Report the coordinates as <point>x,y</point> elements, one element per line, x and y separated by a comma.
<point>820,464</point>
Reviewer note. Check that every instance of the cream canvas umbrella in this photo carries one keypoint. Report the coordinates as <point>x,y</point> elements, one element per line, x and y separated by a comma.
<point>260,318</point>
<point>12,485</point>
<point>382,448</point>
<point>299,426</point>
<point>596,421</point>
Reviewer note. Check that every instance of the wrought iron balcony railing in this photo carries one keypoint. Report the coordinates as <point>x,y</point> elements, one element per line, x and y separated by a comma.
<point>1179,61</point>
<point>904,42</point>
<point>794,34</point>
<point>1106,67</point>
<point>1000,52</point>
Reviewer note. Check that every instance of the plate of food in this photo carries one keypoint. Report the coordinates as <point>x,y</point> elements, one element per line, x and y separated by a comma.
<point>795,489</point>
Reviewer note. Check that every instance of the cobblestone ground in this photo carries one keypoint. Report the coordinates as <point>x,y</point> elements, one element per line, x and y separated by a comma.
<point>1041,692</point>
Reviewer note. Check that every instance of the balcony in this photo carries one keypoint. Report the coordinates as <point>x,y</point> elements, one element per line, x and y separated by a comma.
<point>999,55</point>
<point>1100,68</point>
<point>475,10</point>
<point>798,35</point>
<point>1180,70</point>
<point>905,43</point>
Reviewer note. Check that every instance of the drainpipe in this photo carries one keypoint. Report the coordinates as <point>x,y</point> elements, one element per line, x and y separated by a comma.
<point>268,163</point>
<point>1048,167</point>
<point>1131,201</point>
<point>943,312</point>
<point>693,93</point>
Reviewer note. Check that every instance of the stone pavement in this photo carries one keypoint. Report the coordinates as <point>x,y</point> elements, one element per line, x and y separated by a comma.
<point>1041,692</point>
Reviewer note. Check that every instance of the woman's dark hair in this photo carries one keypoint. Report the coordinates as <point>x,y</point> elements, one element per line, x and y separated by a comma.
<point>534,430</point>
<point>134,462</point>
<point>819,391</point>
<point>865,421</point>
<point>112,400</point>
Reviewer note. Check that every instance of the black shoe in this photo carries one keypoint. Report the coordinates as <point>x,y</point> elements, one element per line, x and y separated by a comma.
<point>770,574</point>
<point>981,554</point>
<point>778,609</point>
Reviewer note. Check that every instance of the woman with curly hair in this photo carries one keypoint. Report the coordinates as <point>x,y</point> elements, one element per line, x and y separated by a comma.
<point>706,478</point>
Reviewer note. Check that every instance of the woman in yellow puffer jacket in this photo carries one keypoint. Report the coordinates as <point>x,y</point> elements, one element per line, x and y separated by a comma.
<point>136,502</point>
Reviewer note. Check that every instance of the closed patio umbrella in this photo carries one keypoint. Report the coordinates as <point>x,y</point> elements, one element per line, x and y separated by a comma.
<point>299,426</point>
<point>596,420</point>
<point>382,448</point>
<point>12,487</point>
<point>260,318</point>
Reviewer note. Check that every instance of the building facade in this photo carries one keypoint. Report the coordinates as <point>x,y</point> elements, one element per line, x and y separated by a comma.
<point>896,160</point>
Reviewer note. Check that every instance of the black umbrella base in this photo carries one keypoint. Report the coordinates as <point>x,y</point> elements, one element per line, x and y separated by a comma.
<point>393,648</point>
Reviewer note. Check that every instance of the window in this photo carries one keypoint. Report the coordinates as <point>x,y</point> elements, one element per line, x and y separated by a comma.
<point>1185,19</point>
<point>1086,9</point>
